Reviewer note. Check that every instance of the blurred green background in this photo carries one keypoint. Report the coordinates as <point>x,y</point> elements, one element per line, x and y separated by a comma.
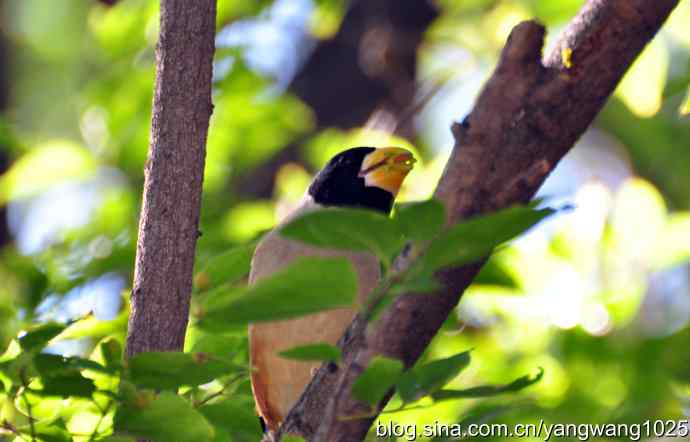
<point>599,295</point>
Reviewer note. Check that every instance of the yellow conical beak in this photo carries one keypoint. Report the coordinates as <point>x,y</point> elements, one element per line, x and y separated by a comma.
<point>386,168</point>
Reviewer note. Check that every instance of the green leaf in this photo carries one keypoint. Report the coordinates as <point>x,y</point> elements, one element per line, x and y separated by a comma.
<point>420,220</point>
<point>222,346</point>
<point>167,417</point>
<point>292,438</point>
<point>495,273</point>
<point>45,166</point>
<point>90,327</point>
<point>347,229</point>
<point>236,417</point>
<point>378,378</point>
<point>472,240</point>
<point>54,431</point>
<point>112,353</point>
<point>66,385</point>
<point>55,365</point>
<point>169,370</point>
<point>307,286</point>
<point>321,351</point>
<point>425,379</point>
<point>684,109</point>
<point>226,268</point>
<point>38,337</point>
<point>488,390</point>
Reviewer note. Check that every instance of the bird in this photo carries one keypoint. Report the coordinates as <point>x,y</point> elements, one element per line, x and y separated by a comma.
<point>360,177</point>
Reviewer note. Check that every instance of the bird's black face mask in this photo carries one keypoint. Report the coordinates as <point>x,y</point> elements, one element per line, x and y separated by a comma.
<point>340,184</point>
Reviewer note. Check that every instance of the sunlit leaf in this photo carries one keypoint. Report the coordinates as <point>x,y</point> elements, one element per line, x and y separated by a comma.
<point>92,327</point>
<point>642,87</point>
<point>488,390</point>
<point>38,337</point>
<point>167,417</point>
<point>169,370</point>
<point>426,379</point>
<point>494,272</point>
<point>377,379</point>
<point>222,346</point>
<point>474,239</point>
<point>43,167</point>
<point>313,352</point>
<point>54,431</point>
<point>420,220</point>
<point>308,286</point>
<point>684,109</point>
<point>112,352</point>
<point>236,417</point>
<point>226,268</point>
<point>347,229</point>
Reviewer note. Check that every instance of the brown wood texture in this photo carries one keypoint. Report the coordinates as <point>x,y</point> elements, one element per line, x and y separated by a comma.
<point>168,224</point>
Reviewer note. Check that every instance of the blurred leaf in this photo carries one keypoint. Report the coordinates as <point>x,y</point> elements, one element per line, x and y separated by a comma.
<point>169,370</point>
<point>43,167</point>
<point>167,417</point>
<point>222,346</point>
<point>420,220</point>
<point>684,109</point>
<point>92,327</point>
<point>54,431</point>
<point>313,352</point>
<point>67,385</point>
<point>292,438</point>
<point>307,286</point>
<point>378,378</point>
<point>112,353</point>
<point>38,337</point>
<point>237,418</point>
<point>489,390</point>
<point>642,86</point>
<point>52,365</point>
<point>226,268</point>
<point>246,220</point>
<point>495,273</point>
<point>326,18</point>
<point>426,379</point>
<point>672,245</point>
<point>476,238</point>
<point>348,229</point>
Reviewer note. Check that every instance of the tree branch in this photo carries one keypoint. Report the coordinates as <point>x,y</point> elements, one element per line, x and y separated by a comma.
<point>529,114</point>
<point>168,225</point>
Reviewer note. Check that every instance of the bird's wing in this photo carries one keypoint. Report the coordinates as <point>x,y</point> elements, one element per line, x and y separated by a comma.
<point>278,382</point>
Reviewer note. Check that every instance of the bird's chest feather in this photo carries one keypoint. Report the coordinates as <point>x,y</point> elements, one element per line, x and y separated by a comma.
<point>278,382</point>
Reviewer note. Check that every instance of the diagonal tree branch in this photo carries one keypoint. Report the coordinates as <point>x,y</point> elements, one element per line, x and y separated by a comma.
<point>528,116</point>
<point>174,172</point>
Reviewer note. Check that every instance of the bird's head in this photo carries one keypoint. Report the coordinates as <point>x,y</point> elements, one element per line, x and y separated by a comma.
<point>365,177</point>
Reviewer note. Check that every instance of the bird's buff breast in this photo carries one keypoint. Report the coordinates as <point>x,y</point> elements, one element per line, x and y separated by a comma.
<point>278,382</point>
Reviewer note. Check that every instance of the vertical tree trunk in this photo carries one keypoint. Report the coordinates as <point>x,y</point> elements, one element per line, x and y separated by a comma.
<point>168,225</point>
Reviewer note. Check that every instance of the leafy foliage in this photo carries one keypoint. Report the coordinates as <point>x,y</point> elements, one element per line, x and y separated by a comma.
<point>598,297</point>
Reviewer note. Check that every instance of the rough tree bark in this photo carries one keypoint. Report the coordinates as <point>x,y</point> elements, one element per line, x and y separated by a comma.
<point>529,114</point>
<point>168,225</point>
